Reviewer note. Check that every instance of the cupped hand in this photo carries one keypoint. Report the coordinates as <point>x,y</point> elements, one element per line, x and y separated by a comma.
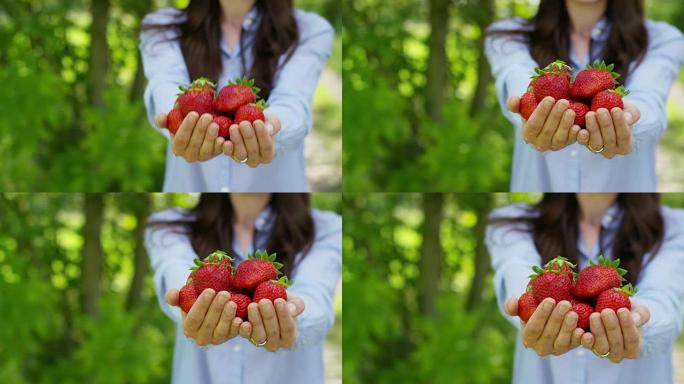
<point>273,322</point>
<point>197,137</point>
<point>211,319</point>
<point>552,328</point>
<point>253,142</point>
<point>617,333</point>
<point>551,125</point>
<point>610,132</point>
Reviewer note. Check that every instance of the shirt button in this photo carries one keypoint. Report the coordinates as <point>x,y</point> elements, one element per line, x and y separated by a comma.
<point>573,153</point>
<point>225,189</point>
<point>236,348</point>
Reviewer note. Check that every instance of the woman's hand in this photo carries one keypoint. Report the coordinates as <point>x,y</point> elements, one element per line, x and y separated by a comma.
<point>211,319</point>
<point>253,142</point>
<point>610,132</point>
<point>197,138</point>
<point>551,125</point>
<point>273,322</point>
<point>551,330</point>
<point>617,333</point>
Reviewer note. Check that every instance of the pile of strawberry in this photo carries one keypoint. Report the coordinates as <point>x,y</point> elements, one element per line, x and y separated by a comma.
<point>593,88</point>
<point>593,289</point>
<point>234,103</point>
<point>253,280</point>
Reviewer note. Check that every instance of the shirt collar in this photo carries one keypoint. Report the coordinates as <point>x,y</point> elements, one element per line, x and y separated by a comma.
<point>252,19</point>
<point>265,220</point>
<point>600,30</point>
<point>611,219</point>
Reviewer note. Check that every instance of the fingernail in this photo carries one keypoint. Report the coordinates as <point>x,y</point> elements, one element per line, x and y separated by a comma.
<point>292,307</point>
<point>636,317</point>
<point>270,129</point>
<point>548,304</point>
<point>628,117</point>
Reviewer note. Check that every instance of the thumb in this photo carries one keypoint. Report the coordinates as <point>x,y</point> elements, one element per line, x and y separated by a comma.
<point>513,104</point>
<point>511,307</point>
<point>172,297</point>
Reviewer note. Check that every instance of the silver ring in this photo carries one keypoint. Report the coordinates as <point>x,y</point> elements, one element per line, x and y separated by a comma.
<point>595,151</point>
<point>600,355</point>
<point>241,161</point>
<point>257,344</point>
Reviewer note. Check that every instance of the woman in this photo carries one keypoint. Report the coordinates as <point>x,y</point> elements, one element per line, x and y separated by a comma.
<point>627,347</point>
<point>281,342</point>
<point>647,55</point>
<point>283,49</point>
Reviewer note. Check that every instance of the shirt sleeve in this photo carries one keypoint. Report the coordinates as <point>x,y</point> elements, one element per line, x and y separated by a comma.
<point>171,256</point>
<point>315,280</point>
<point>513,253</point>
<point>295,83</point>
<point>163,64</point>
<point>661,290</point>
<point>650,82</point>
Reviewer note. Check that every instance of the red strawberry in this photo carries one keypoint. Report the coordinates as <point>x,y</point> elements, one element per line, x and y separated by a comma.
<point>214,272</point>
<point>199,97</point>
<point>526,306</point>
<point>595,78</point>
<point>242,301</point>
<point>561,264</point>
<point>256,269</point>
<point>251,112</point>
<point>224,123</point>
<point>609,99</point>
<point>615,298</point>
<point>554,81</point>
<point>581,110</point>
<point>174,120</point>
<point>596,278</point>
<point>528,103</point>
<point>187,297</point>
<point>553,283</point>
<point>271,290</point>
<point>583,311</point>
<point>236,94</point>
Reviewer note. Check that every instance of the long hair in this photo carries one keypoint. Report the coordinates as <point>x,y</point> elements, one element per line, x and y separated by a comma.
<point>554,226</point>
<point>548,37</point>
<point>200,40</point>
<point>210,226</point>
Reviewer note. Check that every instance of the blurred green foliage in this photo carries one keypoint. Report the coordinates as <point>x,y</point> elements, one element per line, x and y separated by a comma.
<point>46,335</point>
<point>54,136</point>
<point>392,142</point>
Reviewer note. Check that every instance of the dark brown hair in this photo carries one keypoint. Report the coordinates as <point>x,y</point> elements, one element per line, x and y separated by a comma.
<point>200,40</point>
<point>547,34</point>
<point>210,226</point>
<point>554,225</point>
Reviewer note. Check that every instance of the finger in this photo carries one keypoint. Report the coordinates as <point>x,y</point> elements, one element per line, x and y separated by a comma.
<point>195,317</point>
<point>206,331</point>
<point>222,331</point>
<point>576,338</point>
<point>266,148</point>
<point>193,150</point>
<point>564,338</point>
<point>218,146</point>
<point>172,297</point>
<point>287,324</point>
<point>160,120</point>
<point>511,307</point>
<point>206,151</point>
<point>600,339</point>
<point>182,137</point>
<point>552,328</point>
<point>551,124</point>
<point>559,140</point>
<point>572,135</point>
<point>534,125</point>
<point>607,132</point>
<point>583,137</point>
<point>614,334</point>
<point>235,326</point>
<point>632,114</point>
<point>295,304</point>
<point>622,132</point>
<point>239,149</point>
<point>630,334</point>
<point>249,137</point>
<point>270,319</point>
<point>587,340</point>
<point>258,331</point>
<point>640,314</point>
<point>535,325</point>
<point>246,329</point>
<point>595,138</point>
<point>513,104</point>
<point>227,148</point>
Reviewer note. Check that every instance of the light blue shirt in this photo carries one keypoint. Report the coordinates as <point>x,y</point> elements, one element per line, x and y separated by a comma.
<point>290,100</point>
<point>238,361</point>
<point>659,287</point>
<point>575,168</point>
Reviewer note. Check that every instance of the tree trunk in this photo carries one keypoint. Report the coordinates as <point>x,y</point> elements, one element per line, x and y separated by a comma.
<point>99,55</point>
<point>482,204</point>
<point>437,62</point>
<point>138,86</point>
<point>141,208</point>
<point>431,253</point>
<point>93,257</point>
<point>483,72</point>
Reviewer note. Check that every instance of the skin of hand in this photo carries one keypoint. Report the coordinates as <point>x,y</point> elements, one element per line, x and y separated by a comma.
<point>617,332</point>
<point>552,329</point>
<point>253,142</point>
<point>211,319</point>
<point>611,130</point>
<point>274,322</point>
<point>550,127</point>
<point>197,138</point>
